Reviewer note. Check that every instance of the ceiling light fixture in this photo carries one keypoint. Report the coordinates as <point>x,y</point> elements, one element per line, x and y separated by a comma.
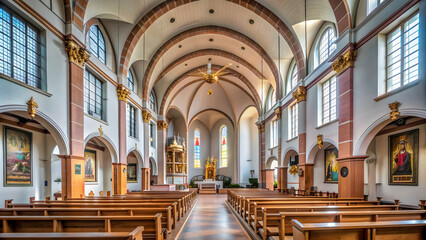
<point>211,40</point>
<point>186,64</point>
<point>251,21</point>
<point>243,48</point>
<point>180,46</point>
<point>211,11</point>
<point>172,20</point>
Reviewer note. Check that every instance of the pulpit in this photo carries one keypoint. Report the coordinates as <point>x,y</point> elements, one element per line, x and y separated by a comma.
<point>177,165</point>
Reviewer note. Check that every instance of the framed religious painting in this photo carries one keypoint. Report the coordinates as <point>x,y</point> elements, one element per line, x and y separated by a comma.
<point>90,165</point>
<point>331,167</point>
<point>132,172</point>
<point>404,158</point>
<point>17,157</point>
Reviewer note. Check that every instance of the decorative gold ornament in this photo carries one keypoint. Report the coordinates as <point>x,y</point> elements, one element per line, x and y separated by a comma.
<point>32,107</point>
<point>320,142</point>
<point>293,170</point>
<point>122,93</point>
<point>300,94</point>
<point>345,61</point>
<point>209,92</point>
<point>210,77</point>
<point>101,132</point>
<point>136,146</point>
<point>76,54</point>
<point>162,125</point>
<point>261,127</point>
<point>146,116</point>
<point>394,110</point>
<point>210,168</point>
<point>278,112</point>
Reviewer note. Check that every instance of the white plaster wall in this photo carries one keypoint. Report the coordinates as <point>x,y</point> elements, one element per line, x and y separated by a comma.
<point>407,194</point>
<point>205,148</point>
<point>137,185</point>
<point>248,149</point>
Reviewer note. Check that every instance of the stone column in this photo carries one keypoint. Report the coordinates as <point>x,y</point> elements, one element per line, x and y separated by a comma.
<point>306,179</point>
<point>120,178</point>
<point>372,189</point>
<point>161,151</point>
<point>351,186</point>
<point>73,165</point>
<point>262,181</point>
<point>146,118</point>
<point>282,178</point>
<point>269,177</point>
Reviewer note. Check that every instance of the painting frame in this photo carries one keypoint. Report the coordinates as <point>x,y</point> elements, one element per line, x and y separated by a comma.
<point>132,167</point>
<point>93,179</point>
<point>5,160</point>
<point>329,150</point>
<point>411,141</point>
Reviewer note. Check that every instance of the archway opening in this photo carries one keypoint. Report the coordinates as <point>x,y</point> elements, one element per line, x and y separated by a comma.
<point>291,159</point>
<point>134,171</point>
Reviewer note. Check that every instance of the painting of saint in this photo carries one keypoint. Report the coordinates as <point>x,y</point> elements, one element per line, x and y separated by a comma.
<point>330,165</point>
<point>403,158</point>
<point>90,165</point>
<point>131,172</point>
<point>18,157</point>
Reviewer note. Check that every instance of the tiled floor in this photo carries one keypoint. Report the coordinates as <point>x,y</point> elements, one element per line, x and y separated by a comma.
<point>211,219</point>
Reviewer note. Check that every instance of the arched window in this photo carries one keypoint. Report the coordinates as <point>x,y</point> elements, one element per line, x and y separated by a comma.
<point>292,81</point>
<point>97,43</point>
<point>152,101</point>
<point>197,149</point>
<point>327,44</point>
<point>273,98</point>
<point>224,147</point>
<point>130,81</point>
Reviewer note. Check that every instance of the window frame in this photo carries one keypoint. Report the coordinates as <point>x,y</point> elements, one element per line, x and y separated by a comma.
<point>152,101</point>
<point>132,124</point>
<point>377,4</point>
<point>99,35</point>
<point>274,133</point>
<point>401,27</point>
<point>197,161</point>
<point>293,119</point>
<point>223,163</point>
<point>330,119</point>
<point>325,33</point>
<point>152,134</point>
<point>102,96</point>
<point>130,81</point>
<point>39,52</point>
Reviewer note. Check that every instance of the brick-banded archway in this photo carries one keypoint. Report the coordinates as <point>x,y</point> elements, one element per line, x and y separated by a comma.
<point>343,15</point>
<point>208,52</point>
<point>214,67</point>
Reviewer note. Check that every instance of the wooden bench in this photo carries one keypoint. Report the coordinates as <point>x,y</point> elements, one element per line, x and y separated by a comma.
<point>407,229</point>
<point>167,220</point>
<point>253,221</point>
<point>37,224</point>
<point>281,225</point>
<point>134,235</point>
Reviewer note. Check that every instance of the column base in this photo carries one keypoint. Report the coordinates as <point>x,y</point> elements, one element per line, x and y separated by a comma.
<point>351,179</point>
<point>73,177</point>
<point>119,178</point>
<point>306,180</point>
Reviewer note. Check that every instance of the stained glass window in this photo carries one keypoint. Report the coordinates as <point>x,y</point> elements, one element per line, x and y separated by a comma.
<point>97,43</point>
<point>197,149</point>
<point>224,147</point>
<point>20,56</point>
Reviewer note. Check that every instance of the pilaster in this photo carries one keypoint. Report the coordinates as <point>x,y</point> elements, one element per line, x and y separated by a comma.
<point>119,178</point>
<point>73,177</point>
<point>161,150</point>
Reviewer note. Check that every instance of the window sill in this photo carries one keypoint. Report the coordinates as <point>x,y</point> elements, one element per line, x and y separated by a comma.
<point>13,80</point>
<point>291,139</point>
<point>136,139</point>
<point>94,118</point>
<point>326,124</point>
<point>395,91</point>
<point>91,183</point>
<point>272,148</point>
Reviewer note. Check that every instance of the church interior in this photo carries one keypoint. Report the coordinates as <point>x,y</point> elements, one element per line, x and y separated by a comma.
<point>213,119</point>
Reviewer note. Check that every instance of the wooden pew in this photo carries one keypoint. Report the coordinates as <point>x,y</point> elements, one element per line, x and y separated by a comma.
<point>134,235</point>
<point>167,221</point>
<point>253,221</point>
<point>408,229</point>
<point>37,224</point>
<point>281,225</point>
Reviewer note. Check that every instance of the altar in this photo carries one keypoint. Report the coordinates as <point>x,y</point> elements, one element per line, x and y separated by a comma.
<point>219,184</point>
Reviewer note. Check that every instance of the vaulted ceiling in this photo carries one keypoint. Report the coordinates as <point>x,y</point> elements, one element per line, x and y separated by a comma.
<point>166,42</point>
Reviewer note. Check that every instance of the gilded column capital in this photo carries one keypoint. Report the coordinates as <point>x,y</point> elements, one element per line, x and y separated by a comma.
<point>278,112</point>
<point>122,93</point>
<point>76,53</point>
<point>261,127</point>
<point>146,116</point>
<point>344,61</point>
<point>162,125</point>
<point>394,110</point>
<point>300,94</point>
<point>320,141</point>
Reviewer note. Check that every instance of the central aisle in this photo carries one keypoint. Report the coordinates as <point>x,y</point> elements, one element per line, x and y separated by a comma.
<point>211,219</point>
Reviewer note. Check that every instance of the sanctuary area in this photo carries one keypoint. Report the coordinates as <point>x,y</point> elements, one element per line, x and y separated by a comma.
<point>213,119</point>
